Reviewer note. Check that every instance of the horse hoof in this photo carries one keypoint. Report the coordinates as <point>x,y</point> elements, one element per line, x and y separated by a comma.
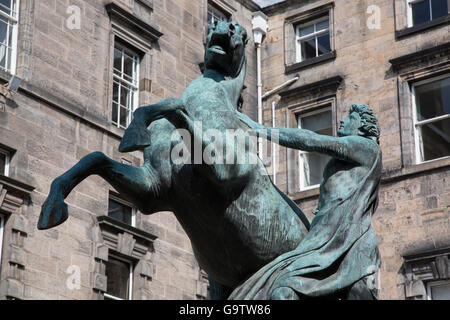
<point>53,212</point>
<point>135,138</point>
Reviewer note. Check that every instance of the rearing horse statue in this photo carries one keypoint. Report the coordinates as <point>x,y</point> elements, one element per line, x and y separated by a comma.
<point>236,219</point>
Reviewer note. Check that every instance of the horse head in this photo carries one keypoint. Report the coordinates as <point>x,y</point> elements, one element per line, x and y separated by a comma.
<point>225,48</point>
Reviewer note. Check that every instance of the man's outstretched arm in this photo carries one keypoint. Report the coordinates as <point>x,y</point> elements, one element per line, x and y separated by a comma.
<point>354,149</point>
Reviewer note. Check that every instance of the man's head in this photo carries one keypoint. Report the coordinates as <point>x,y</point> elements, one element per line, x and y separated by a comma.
<point>361,121</point>
<point>225,47</point>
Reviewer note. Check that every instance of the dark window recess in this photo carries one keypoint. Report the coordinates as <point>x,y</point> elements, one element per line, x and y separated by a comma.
<point>118,275</point>
<point>2,163</point>
<point>428,10</point>
<point>119,211</point>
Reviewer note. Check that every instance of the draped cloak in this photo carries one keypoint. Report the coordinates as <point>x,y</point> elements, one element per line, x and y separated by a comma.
<point>339,250</point>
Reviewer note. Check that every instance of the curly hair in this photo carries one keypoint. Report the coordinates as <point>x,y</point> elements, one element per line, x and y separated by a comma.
<point>369,123</point>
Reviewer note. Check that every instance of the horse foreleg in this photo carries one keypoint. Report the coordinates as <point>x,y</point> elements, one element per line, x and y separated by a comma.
<point>137,136</point>
<point>136,183</point>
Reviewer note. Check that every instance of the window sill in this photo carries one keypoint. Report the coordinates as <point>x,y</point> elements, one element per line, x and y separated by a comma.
<point>421,27</point>
<point>310,62</point>
<point>302,195</point>
<point>415,169</point>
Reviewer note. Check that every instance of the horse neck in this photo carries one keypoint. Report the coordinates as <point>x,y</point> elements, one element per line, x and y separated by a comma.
<point>234,85</point>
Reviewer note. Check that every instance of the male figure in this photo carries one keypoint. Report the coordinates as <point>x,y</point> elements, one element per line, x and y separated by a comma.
<point>340,251</point>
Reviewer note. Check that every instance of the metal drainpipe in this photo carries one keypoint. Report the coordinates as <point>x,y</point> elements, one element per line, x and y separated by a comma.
<point>274,147</point>
<point>259,86</point>
<point>259,24</point>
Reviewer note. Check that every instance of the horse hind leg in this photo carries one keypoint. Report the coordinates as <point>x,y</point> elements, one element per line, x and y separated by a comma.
<point>136,183</point>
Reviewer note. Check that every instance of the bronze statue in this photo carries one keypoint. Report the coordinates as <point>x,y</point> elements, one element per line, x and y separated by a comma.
<point>248,236</point>
<point>236,219</point>
<point>339,257</point>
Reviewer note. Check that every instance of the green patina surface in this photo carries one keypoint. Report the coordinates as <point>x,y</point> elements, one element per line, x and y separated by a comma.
<point>250,238</point>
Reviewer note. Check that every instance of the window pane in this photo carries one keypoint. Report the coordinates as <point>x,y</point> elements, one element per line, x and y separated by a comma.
<point>439,8</point>
<point>2,164</point>
<point>123,117</point>
<point>5,6</point>
<point>440,292</point>
<point>119,211</point>
<point>215,15</point>
<point>125,96</point>
<point>313,166</point>
<point>114,113</point>
<point>433,99</point>
<point>117,60</point>
<point>324,44</point>
<point>3,30</point>
<point>128,66</point>
<point>420,12</point>
<point>118,278</point>
<point>322,25</point>
<point>306,30</point>
<point>308,48</point>
<point>319,123</point>
<point>314,163</point>
<point>435,140</point>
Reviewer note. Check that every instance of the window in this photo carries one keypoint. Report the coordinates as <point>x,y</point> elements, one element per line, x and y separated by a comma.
<point>125,84</point>
<point>431,110</point>
<point>122,212</point>
<point>421,11</point>
<point>119,274</point>
<point>215,14</point>
<point>312,164</point>
<point>9,15</point>
<point>313,39</point>
<point>438,290</point>
<point>4,162</point>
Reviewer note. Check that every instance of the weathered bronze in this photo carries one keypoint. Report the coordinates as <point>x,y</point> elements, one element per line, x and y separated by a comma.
<point>248,236</point>
<point>339,257</point>
<point>236,219</point>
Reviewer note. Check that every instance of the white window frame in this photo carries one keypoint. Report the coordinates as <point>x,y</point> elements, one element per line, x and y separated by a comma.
<point>434,284</point>
<point>128,204</point>
<point>216,14</point>
<point>7,159</point>
<point>417,124</point>
<point>315,35</point>
<point>120,80</point>
<point>13,21</point>
<point>130,285</point>
<point>302,179</point>
<point>409,11</point>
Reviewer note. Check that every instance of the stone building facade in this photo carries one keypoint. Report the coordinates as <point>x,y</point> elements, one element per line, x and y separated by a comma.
<point>77,59</point>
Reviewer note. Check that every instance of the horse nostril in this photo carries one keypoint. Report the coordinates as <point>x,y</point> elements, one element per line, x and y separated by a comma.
<point>232,29</point>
